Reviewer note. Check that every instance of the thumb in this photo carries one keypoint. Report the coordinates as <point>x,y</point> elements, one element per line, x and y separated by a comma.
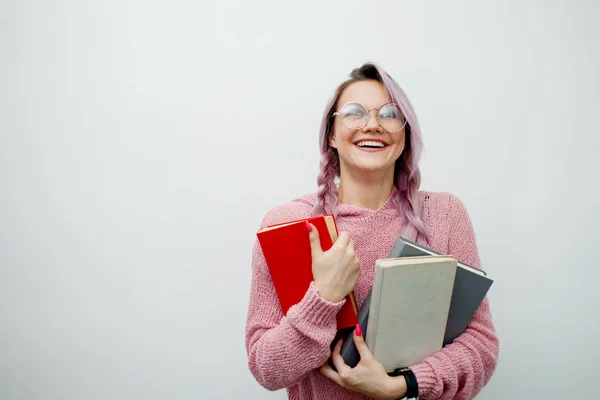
<point>315,242</point>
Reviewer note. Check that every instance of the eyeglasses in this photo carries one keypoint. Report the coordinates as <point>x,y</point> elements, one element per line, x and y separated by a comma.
<point>355,116</point>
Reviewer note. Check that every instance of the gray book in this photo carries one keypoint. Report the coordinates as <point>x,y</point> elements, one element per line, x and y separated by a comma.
<point>469,289</point>
<point>409,308</point>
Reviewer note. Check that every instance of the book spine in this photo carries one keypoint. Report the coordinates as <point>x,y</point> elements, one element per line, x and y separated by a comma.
<point>371,338</point>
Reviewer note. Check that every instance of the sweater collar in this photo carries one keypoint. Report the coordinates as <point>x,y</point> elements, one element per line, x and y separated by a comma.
<point>389,207</point>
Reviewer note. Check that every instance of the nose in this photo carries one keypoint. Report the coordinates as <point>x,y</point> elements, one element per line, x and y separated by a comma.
<point>373,122</point>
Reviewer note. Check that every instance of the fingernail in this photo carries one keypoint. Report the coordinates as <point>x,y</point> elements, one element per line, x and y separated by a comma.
<point>308,227</point>
<point>358,330</point>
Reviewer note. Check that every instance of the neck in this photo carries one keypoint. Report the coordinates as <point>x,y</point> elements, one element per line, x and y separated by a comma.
<point>366,191</point>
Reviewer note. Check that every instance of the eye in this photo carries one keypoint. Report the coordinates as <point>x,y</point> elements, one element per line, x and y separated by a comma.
<point>353,110</point>
<point>390,112</point>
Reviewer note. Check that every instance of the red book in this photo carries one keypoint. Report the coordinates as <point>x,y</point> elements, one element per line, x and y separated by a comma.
<point>287,251</point>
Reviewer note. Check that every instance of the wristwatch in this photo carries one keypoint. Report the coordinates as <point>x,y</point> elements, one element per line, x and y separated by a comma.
<point>412,387</point>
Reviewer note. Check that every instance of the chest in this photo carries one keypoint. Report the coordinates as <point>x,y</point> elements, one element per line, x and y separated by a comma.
<point>371,242</point>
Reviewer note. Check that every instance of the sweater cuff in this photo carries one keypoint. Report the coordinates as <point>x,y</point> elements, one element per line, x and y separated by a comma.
<point>426,380</point>
<point>313,310</point>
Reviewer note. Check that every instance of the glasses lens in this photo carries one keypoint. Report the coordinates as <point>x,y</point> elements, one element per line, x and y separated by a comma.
<point>391,118</point>
<point>354,115</point>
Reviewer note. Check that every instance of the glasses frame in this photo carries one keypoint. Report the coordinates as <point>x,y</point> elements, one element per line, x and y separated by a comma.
<point>369,115</point>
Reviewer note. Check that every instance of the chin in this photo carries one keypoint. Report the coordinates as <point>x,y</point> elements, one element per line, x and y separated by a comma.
<point>369,165</point>
<point>374,168</point>
<point>373,165</point>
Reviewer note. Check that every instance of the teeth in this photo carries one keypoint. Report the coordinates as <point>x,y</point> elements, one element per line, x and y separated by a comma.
<point>370,143</point>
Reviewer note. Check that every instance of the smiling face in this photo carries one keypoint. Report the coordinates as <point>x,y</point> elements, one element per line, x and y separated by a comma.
<point>370,149</point>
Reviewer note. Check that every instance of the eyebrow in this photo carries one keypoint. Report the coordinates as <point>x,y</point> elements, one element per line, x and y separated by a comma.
<point>369,108</point>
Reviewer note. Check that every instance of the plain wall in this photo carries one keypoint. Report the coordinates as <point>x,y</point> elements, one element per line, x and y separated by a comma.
<point>141,143</point>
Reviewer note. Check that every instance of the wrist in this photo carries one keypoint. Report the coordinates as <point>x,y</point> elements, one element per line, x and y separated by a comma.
<point>396,387</point>
<point>327,295</point>
<point>411,386</point>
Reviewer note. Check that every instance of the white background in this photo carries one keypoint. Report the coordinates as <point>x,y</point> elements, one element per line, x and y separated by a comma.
<point>141,143</point>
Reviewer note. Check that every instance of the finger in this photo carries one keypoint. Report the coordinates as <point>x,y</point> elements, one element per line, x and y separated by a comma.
<point>342,240</point>
<point>337,349</point>
<point>331,374</point>
<point>361,345</point>
<point>313,236</point>
<point>350,249</point>
<point>337,358</point>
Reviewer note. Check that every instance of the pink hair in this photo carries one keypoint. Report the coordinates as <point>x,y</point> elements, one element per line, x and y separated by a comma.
<point>407,174</point>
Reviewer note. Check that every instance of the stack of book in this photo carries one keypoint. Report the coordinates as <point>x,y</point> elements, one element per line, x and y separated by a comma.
<point>420,300</point>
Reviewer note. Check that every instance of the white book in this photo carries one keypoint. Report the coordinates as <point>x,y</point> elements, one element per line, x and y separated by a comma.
<point>409,308</point>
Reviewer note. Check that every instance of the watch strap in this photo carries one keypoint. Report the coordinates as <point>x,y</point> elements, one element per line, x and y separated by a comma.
<point>412,386</point>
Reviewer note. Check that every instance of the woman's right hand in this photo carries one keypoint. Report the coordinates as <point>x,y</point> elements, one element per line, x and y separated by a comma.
<point>336,270</point>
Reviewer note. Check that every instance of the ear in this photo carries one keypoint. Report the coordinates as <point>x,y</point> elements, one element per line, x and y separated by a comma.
<point>332,141</point>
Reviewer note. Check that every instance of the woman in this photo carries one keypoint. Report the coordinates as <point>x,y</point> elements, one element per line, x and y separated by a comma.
<point>370,141</point>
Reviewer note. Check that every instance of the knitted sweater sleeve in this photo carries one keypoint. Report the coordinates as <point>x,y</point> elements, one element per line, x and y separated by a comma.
<point>282,349</point>
<point>461,369</point>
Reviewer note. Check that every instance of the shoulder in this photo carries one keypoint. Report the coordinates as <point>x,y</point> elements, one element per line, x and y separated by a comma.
<point>441,202</point>
<point>297,208</point>
<point>450,227</point>
<point>443,210</point>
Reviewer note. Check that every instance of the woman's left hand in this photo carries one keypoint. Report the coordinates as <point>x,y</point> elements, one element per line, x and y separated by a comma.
<point>367,377</point>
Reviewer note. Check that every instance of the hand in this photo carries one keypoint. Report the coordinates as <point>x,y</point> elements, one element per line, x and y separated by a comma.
<point>336,270</point>
<point>368,376</point>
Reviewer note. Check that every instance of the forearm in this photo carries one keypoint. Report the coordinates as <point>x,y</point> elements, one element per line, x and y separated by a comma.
<point>281,350</point>
<point>461,369</point>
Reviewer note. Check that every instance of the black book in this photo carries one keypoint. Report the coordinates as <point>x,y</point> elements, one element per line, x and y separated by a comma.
<point>470,287</point>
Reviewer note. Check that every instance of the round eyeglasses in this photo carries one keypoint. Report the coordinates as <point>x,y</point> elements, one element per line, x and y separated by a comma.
<point>355,116</point>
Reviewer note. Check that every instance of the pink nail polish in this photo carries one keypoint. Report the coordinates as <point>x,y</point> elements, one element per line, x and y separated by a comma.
<point>358,330</point>
<point>308,227</point>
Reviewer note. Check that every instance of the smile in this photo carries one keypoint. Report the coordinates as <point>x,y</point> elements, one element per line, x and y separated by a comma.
<point>371,145</point>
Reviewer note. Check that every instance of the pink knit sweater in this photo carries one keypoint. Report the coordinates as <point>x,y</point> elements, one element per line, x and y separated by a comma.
<point>287,351</point>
